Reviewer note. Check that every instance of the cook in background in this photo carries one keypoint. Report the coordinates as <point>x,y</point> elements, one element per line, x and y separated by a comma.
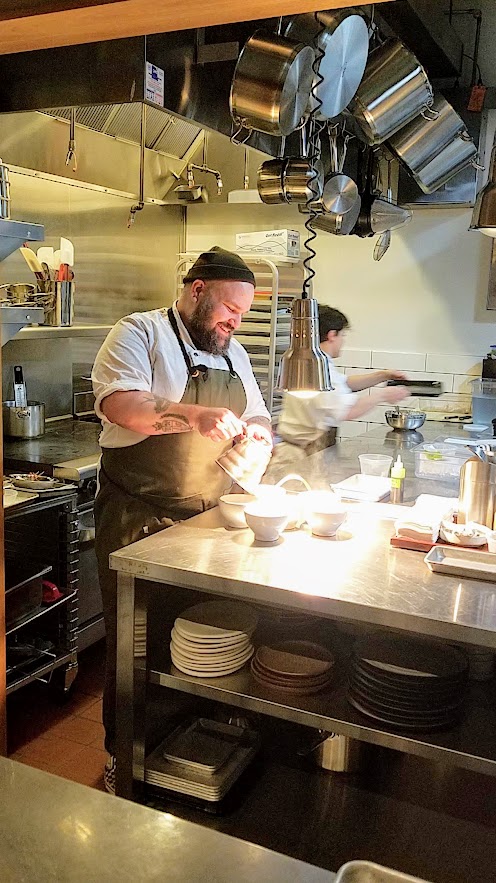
<point>173,389</point>
<point>307,425</point>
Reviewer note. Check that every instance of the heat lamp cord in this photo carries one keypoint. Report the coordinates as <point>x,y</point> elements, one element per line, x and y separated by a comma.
<point>316,127</point>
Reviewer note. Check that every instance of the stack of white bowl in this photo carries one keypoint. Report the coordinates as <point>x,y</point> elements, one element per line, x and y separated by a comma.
<point>213,639</point>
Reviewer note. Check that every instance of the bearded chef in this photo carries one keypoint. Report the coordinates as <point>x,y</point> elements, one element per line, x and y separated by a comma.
<point>173,389</point>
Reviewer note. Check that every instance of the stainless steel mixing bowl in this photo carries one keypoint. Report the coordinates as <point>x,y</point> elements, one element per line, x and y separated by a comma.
<point>405,420</point>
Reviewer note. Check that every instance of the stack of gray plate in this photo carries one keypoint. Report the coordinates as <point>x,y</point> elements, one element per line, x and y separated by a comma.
<point>213,639</point>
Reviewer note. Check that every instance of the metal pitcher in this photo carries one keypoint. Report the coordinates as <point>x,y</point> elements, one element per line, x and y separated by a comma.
<point>477,497</point>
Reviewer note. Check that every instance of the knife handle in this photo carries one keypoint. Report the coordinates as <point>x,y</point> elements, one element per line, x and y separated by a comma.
<point>18,375</point>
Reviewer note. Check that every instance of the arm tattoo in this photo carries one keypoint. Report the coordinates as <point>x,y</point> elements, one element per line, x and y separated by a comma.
<point>169,421</point>
<point>160,403</point>
<point>172,423</point>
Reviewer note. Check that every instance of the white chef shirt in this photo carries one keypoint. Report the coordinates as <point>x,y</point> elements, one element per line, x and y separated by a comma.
<point>303,420</point>
<point>142,353</point>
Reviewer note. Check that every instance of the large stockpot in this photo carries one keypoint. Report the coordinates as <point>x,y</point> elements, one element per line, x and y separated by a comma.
<point>422,139</point>
<point>26,421</point>
<point>394,90</point>
<point>456,156</point>
<point>271,84</point>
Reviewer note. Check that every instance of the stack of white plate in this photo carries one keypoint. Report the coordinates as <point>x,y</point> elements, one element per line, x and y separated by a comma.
<point>198,772</point>
<point>213,639</point>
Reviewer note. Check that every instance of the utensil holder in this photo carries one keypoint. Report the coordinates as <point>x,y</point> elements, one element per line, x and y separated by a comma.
<point>59,304</point>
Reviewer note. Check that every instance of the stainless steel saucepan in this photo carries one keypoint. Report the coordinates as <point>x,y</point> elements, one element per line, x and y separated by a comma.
<point>270,181</point>
<point>301,179</point>
<point>271,84</point>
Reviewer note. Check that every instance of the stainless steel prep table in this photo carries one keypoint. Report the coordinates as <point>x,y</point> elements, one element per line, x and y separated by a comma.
<point>359,578</point>
<point>56,830</point>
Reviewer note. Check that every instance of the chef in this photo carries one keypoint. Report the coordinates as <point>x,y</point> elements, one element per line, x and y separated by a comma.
<point>173,389</point>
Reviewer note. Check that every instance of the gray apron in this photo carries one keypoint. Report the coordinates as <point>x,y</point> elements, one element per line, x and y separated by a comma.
<point>150,485</point>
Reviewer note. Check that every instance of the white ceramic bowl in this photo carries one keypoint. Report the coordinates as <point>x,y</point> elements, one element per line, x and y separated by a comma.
<point>324,513</point>
<point>266,521</point>
<point>232,509</point>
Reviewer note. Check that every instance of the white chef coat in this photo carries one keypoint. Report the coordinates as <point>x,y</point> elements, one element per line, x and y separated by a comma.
<point>303,420</point>
<point>142,353</point>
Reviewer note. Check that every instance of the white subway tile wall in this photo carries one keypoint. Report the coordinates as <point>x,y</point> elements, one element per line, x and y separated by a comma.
<point>400,361</point>
<point>454,364</point>
<point>445,368</point>
<point>355,358</point>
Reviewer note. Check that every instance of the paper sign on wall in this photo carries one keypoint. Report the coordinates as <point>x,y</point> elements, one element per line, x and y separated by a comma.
<point>154,86</point>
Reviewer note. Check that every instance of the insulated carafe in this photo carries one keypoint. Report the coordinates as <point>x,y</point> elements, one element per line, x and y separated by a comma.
<point>477,497</point>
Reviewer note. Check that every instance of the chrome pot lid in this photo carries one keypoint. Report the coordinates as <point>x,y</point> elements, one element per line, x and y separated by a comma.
<point>345,43</point>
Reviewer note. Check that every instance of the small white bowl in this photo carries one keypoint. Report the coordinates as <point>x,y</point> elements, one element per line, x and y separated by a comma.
<point>461,534</point>
<point>232,509</point>
<point>266,521</point>
<point>324,513</point>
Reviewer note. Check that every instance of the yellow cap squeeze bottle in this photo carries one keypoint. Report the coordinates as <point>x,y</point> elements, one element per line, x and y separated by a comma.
<point>397,481</point>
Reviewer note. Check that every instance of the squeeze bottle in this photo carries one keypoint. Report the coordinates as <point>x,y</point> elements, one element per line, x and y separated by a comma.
<point>397,481</point>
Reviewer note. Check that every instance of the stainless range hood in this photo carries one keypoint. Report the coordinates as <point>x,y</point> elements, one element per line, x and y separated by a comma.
<point>106,80</point>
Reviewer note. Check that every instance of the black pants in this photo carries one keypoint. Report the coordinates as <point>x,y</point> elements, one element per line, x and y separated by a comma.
<point>119,521</point>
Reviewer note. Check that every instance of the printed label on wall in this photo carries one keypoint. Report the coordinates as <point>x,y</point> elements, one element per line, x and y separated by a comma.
<point>154,86</point>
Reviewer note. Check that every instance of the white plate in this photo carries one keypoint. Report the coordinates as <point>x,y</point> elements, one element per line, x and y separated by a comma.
<point>42,482</point>
<point>370,488</point>
<point>213,643</point>
<point>195,648</point>
<point>217,619</point>
<point>56,486</point>
<point>220,660</point>
<point>451,536</point>
<point>474,427</point>
<point>222,671</point>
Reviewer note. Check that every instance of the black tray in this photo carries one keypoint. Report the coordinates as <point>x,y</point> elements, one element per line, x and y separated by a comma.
<point>420,387</point>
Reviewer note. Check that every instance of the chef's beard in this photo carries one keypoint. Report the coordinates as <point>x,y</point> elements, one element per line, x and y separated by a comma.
<point>207,338</point>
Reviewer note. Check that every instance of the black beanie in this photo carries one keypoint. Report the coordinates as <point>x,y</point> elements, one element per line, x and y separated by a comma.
<point>219,264</point>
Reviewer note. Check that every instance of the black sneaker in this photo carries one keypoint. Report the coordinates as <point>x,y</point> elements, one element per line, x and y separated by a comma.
<point>109,774</point>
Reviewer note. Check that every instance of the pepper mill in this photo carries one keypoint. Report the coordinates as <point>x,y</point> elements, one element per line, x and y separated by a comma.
<point>477,497</point>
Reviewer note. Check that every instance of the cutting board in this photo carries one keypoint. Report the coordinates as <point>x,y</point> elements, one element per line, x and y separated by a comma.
<point>424,545</point>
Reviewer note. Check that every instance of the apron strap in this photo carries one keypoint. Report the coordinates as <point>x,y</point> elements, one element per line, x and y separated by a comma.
<point>193,370</point>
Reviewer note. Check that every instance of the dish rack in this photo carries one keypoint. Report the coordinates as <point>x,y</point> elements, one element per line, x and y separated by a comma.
<point>265,329</point>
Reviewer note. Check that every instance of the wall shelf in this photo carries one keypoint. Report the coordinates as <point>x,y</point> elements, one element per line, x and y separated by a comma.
<point>40,332</point>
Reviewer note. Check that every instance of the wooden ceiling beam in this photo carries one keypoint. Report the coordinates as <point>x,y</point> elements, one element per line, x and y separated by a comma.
<point>113,19</point>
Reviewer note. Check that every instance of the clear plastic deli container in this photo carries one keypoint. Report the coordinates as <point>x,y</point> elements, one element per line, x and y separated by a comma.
<point>483,401</point>
<point>439,460</point>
